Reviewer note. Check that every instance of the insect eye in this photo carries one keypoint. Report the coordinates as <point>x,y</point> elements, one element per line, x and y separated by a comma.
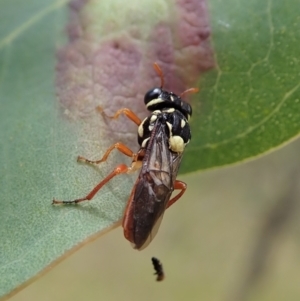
<point>152,94</point>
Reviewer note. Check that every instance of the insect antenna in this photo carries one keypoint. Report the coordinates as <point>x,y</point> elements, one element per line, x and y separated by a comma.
<point>190,90</point>
<point>160,74</point>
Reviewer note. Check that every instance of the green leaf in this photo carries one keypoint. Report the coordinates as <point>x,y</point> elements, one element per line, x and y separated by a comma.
<point>250,104</point>
<point>247,106</point>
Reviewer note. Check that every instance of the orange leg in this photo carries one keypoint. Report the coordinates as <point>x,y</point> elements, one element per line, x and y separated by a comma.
<point>177,185</point>
<point>128,113</point>
<point>120,169</point>
<point>119,146</point>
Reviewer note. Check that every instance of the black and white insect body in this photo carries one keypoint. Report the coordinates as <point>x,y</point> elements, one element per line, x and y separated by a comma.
<point>162,137</point>
<point>172,112</point>
<point>157,98</point>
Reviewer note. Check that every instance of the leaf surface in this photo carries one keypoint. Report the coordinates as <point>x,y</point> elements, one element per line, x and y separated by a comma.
<point>247,106</point>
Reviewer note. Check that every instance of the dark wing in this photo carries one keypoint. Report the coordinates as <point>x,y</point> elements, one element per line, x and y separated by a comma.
<point>152,189</point>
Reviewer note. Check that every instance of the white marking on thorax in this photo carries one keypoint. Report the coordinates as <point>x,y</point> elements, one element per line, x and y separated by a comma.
<point>141,128</point>
<point>176,143</point>
<point>170,110</point>
<point>170,127</point>
<point>154,102</point>
<point>145,142</point>
<point>153,118</point>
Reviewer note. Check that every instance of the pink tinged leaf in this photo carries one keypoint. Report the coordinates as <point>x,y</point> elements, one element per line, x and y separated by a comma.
<point>108,63</point>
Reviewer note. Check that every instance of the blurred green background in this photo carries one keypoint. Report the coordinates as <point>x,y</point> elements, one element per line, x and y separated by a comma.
<point>233,236</point>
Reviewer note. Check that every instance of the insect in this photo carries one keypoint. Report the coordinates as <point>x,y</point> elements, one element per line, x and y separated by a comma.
<point>162,137</point>
<point>159,271</point>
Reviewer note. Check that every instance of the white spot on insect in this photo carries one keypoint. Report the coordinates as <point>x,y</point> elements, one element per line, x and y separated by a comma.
<point>144,143</point>
<point>153,118</point>
<point>151,126</point>
<point>154,102</point>
<point>170,127</point>
<point>156,112</point>
<point>172,98</point>
<point>171,110</point>
<point>141,128</point>
<point>182,123</point>
<point>176,144</point>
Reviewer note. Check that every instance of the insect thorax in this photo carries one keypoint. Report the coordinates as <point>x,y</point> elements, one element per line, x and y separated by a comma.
<point>176,124</point>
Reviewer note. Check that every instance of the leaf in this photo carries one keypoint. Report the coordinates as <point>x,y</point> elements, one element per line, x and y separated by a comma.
<point>248,105</point>
<point>42,138</point>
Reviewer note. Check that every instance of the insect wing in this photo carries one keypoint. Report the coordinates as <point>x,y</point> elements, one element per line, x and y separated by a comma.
<point>152,190</point>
